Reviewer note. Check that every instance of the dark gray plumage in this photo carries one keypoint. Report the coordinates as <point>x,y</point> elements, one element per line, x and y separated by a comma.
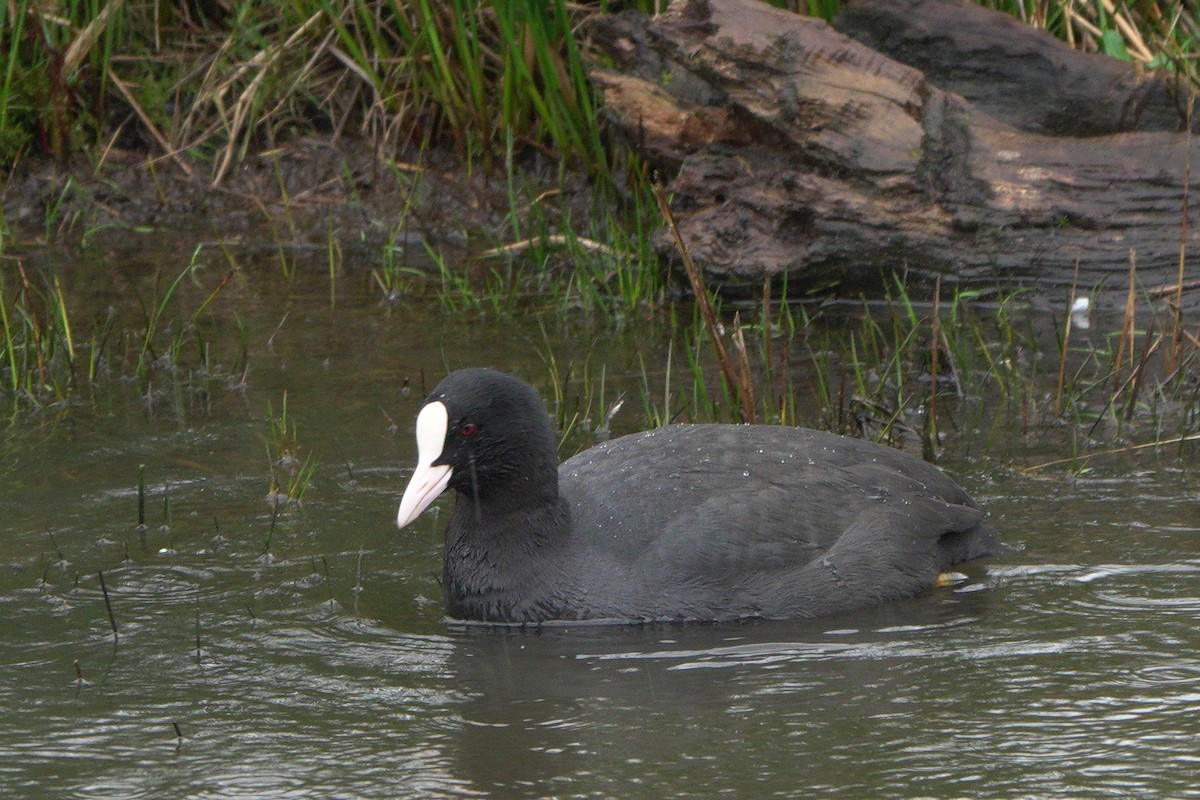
<point>688,522</point>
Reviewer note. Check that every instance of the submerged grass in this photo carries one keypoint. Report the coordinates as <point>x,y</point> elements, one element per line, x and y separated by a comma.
<point>901,371</point>
<point>39,346</point>
<point>290,475</point>
<point>52,352</point>
<point>894,370</point>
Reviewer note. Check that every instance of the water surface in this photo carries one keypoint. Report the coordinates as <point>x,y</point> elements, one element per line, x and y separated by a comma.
<point>304,654</point>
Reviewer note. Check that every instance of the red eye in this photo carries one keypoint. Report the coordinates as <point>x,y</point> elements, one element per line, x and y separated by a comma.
<point>467,429</point>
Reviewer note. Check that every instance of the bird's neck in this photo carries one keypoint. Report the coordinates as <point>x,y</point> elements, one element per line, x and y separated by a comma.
<point>499,549</point>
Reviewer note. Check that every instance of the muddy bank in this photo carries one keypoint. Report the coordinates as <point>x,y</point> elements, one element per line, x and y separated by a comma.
<point>299,199</point>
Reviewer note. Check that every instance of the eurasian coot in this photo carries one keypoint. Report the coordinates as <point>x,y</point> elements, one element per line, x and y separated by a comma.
<point>687,522</point>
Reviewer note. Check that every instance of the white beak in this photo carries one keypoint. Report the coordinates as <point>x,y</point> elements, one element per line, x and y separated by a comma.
<point>427,481</point>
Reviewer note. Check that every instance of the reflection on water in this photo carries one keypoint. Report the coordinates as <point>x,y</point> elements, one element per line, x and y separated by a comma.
<point>982,693</point>
<point>308,658</point>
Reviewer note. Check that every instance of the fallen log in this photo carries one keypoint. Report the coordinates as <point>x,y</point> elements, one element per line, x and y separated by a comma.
<point>1015,72</point>
<point>792,151</point>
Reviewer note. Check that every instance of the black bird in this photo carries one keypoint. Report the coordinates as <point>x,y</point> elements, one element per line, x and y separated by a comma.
<point>686,522</point>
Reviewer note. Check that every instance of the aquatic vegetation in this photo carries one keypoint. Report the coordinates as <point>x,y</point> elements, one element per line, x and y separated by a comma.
<point>894,369</point>
<point>901,370</point>
<point>395,276</point>
<point>290,475</point>
<point>39,352</point>
<point>55,349</point>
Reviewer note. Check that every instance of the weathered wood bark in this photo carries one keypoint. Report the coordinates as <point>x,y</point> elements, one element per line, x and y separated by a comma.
<point>1014,72</point>
<point>793,150</point>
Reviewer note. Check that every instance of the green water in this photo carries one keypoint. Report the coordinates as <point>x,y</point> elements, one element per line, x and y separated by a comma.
<point>304,654</point>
